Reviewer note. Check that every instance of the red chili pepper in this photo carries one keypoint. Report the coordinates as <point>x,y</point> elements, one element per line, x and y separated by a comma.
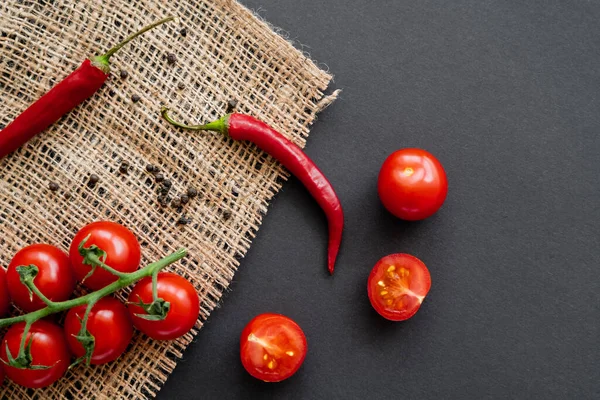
<point>62,98</point>
<point>245,127</point>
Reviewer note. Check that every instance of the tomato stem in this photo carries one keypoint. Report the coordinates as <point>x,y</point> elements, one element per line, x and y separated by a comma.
<point>124,280</point>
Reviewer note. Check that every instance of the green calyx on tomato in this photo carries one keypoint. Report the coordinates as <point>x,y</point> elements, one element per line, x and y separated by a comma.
<point>156,310</point>
<point>92,256</point>
<point>24,359</point>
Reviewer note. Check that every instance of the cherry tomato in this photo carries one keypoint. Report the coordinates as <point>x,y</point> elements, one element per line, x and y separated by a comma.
<point>4,295</point>
<point>183,312</point>
<point>412,184</point>
<point>48,348</point>
<point>272,347</point>
<point>108,322</point>
<point>122,252</point>
<point>397,286</point>
<point>54,279</point>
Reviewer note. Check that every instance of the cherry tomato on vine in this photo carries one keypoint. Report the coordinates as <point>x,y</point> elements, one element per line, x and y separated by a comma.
<point>4,295</point>
<point>54,279</point>
<point>184,306</point>
<point>272,347</point>
<point>397,286</point>
<point>108,322</point>
<point>412,184</point>
<point>48,348</point>
<point>122,249</point>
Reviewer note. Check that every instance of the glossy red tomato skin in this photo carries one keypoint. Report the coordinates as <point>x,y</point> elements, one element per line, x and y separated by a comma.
<point>272,347</point>
<point>49,348</point>
<point>397,285</point>
<point>110,324</point>
<point>412,184</point>
<point>54,279</point>
<point>4,295</point>
<point>182,315</point>
<point>122,249</point>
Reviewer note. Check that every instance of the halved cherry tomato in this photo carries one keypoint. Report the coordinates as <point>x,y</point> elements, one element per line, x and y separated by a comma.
<point>184,306</point>
<point>272,347</point>
<point>54,279</point>
<point>397,286</point>
<point>122,252</point>
<point>412,184</point>
<point>108,322</point>
<point>48,348</point>
<point>4,295</point>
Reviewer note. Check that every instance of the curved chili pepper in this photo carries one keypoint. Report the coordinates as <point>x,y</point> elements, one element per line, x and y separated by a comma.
<point>245,127</point>
<point>62,98</point>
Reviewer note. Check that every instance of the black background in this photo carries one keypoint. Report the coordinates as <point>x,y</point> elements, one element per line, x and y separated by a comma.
<point>507,95</point>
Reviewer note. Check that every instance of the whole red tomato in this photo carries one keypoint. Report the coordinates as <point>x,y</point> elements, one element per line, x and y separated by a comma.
<point>122,252</point>
<point>412,184</point>
<point>184,306</point>
<point>397,286</point>
<point>4,295</point>
<point>48,348</point>
<point>54,279</point>
<point>272,347</point>
<point>108,322</point>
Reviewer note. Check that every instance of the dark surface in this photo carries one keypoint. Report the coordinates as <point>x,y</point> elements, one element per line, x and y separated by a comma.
<point>507,95</point>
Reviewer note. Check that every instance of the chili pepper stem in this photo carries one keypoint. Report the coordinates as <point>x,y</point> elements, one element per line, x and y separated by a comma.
<point>219,125</point>
<point>102,61</point>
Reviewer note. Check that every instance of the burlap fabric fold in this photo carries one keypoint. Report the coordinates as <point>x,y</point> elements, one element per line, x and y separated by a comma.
<point>226,54</point>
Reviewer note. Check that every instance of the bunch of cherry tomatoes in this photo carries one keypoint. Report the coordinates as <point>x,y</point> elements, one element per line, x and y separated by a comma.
<point>412,185</point>
<point>50,347</point>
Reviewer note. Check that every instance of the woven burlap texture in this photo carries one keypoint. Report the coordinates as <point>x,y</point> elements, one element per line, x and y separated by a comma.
<point>226,54</point>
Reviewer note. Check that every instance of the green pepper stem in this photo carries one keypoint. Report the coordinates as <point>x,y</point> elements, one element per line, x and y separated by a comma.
<point>219,125</point>
<point>123,281</point>
<point>102,61</point>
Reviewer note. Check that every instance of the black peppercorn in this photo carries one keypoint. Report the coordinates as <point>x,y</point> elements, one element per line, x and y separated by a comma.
<point>231,105</point>
<point>67,195</point>
<point>226,215</point>
<point>124,167</point>
<point>176,203</point>
<point>93,179</point>
<point>183,220</point>
<point>53,186</point>
<point>167,183</point>
<point>135,98</point>
<point>124,74</point>
<point>111,93</point>
<point>171,58</point>
<point>192,192</point>
<point>183,32</point>
<point>150,168</point>
<point>181,86</point>
<point>184,199</point>
<point>159,177</point>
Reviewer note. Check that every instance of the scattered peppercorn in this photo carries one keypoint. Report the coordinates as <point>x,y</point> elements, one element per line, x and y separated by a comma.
<point>192,192</point>
<point>167,183</point>
<point>181,86</point>
<point>67,195</point>
<point>53,186</point>
<point>183,32</point>
<point>171,58</point>
<point>231,105</point>
<point>150,168</point>
<point>111,92</point>
<point>124,167</point>
<point>226,215</point>
<point>93,179</point>
<point>124,74</point>
<point>184,199</point>
<point>135,98</point>
<point>159,177</point>
<point>176,203</point>
<point>183,220</point>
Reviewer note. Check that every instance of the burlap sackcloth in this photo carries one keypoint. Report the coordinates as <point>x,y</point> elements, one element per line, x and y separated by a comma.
<point>227,53</point>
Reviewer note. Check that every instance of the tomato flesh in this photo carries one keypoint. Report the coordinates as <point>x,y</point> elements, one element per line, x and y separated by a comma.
<point>272,347</point>
<point>122,249</point>
<point>108,322</point>
<point>397,286</point>
<point>412,184</point>
<point>54,279</point>
<point>48,348</point>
